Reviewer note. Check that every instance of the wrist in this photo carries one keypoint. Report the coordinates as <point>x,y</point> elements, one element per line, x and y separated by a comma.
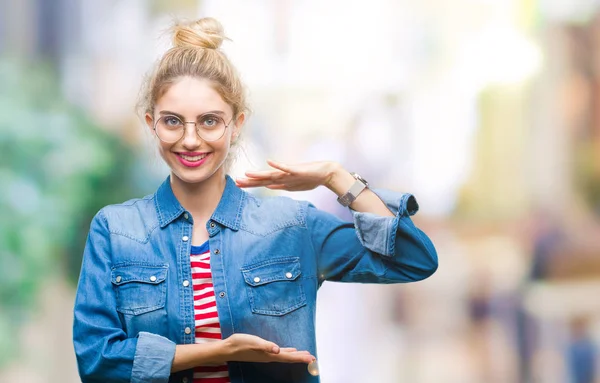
<point>339,180</point>
<point>222,351</point>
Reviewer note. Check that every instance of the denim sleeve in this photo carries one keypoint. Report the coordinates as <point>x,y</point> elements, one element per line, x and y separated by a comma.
<point>373,249</point>
<point>103,351</point>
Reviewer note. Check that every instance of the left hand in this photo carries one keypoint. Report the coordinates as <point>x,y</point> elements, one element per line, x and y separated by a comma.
<point>298,177</point>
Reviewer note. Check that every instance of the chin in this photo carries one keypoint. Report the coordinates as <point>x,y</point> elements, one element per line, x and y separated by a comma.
<point>188,178</point>
<point>193,176</point>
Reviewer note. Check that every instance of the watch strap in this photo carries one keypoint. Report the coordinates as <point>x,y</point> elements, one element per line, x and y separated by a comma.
<point>357,187</point>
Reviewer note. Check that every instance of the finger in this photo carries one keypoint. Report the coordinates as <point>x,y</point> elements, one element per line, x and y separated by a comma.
<point>277,187</point>
<point>288,349</point>
<point>290,187</point>
<point>271,348</point>
<point>272,178</point>
<point>296,357</point>
<point>263,174</point>
<point>281,166</point>
<point>254,183</point>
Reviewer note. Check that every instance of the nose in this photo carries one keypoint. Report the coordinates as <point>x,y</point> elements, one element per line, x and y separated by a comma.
<point>191,140</point>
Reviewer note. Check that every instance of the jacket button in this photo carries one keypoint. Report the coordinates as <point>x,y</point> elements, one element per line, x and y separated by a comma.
<point>184,379</point>
<point>186,283</point>
<point>288,275</point>
<point>222,294</point>
<point>212,224</point>
<point>256,279</point>
<point>186,216</point>
<point>118,279</point>
<point>217,251</point>
<point>188,330</point>
<point>185,238</point>
<point>153,278</point>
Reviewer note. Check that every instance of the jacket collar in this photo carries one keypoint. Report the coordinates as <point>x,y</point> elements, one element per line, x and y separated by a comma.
<point>227,213</point>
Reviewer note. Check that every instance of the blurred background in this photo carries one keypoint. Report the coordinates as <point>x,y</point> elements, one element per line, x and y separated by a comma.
<point>488,111</point>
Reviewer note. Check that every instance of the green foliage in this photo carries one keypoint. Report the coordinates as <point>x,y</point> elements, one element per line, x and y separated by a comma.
<point>57,169</point>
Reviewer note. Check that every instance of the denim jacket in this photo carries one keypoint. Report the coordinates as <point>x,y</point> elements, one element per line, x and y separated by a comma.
<point>269,257</point>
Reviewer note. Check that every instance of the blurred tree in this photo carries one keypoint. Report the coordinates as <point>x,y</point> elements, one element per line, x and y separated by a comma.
<point>57,169</point>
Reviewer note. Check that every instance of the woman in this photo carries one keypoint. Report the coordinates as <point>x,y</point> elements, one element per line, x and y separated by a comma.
<point>203,282</point>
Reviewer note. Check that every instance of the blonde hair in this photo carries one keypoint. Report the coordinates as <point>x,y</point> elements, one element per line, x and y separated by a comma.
<point>195,53</point>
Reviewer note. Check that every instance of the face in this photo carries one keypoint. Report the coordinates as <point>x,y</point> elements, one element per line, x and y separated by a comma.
<point>191,159</point>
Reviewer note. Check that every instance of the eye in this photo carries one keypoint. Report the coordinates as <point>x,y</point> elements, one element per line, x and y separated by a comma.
<point>171,121</point>
<point>210,121</point>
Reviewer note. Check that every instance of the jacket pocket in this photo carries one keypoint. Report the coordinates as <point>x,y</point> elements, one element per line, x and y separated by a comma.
<point>274,287</point>
<point>139,288</point>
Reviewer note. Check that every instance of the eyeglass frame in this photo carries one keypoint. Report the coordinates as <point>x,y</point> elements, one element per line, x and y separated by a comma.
<point>195,127</point>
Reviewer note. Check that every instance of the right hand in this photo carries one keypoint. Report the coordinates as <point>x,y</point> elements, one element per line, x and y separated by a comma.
<point>250,348</point>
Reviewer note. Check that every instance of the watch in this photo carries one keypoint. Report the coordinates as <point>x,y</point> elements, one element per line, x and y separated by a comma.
<point>359,185</point>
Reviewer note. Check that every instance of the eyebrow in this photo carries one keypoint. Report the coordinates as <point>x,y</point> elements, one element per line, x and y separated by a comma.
<point>168,112</point>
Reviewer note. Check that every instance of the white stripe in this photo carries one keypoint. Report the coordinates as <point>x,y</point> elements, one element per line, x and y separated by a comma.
<point>204,290</point>
<point>202,280</point>
<point>207,310</point>
<point>203,322</point>
<point>212,330</point>
<point>202,257</point>
<point>204,301</point>
<point>201,261</point>
<point>197,270</point>
<point>197,282</point>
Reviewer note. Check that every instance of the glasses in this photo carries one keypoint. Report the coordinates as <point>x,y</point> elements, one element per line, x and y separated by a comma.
<point>209,127</point>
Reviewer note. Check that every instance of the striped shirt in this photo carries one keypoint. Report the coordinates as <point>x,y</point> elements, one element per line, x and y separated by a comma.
<point>205,312</point>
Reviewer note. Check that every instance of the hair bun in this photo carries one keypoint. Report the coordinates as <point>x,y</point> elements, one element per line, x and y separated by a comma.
<point>203,33</point>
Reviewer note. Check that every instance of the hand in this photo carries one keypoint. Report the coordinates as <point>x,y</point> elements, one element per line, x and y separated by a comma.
<point>250,348</point>
<point>299,177</point>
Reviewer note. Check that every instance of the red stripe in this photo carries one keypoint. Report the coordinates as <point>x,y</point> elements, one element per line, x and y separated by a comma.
<point>201,286</point>
<point>211,368</point>
<point>213,314</point>
<point>201,275</point>
<point>203,264</point>
<point>205,305</point>
<point>205,295</point>
<point>212,380</point>
<point>211,325</point>
<point>207,335</point>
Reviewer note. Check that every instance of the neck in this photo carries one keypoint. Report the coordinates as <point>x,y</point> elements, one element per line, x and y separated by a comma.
<point>200,199</point>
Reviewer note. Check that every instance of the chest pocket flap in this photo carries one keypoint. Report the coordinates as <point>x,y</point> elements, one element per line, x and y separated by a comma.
<point>282,269</point>
<point>139,288</point>
<point>274,287</point>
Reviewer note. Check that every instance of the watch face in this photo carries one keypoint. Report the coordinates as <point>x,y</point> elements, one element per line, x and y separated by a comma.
<point>358,177</point>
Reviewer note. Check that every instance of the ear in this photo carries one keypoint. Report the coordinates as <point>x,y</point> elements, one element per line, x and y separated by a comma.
<point>149,121</point>
<point>239,123</point>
